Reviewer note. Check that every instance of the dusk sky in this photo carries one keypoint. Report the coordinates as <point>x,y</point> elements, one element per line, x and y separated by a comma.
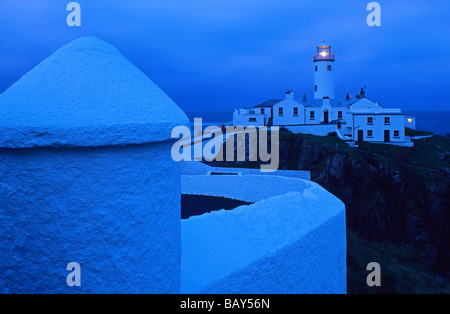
<point>220,55</point>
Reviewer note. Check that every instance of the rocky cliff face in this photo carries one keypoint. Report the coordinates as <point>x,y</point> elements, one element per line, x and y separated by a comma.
<point>388,199</point>
<point>397,206</point>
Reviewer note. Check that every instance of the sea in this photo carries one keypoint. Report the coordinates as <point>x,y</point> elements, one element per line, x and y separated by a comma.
<point>434,121</point>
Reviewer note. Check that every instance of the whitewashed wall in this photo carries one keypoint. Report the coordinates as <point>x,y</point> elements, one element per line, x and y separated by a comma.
<point>292,240</point>
<point>245,117</point>
<point>288,117</point>
<point>397,123</point>
<point>320,129</point>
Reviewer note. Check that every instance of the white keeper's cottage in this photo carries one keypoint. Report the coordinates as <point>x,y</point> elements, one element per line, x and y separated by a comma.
<point>353,119</point>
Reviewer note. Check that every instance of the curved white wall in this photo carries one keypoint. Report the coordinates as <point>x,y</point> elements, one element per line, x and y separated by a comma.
<point>286,243</point>
<point>113,210</point>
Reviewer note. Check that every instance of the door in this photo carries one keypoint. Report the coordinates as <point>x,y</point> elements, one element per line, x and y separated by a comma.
<point>325,117</point>
<point>387,136</point>
<point>360,135</point>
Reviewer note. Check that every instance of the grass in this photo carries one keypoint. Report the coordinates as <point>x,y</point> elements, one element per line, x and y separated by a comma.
<point>426,153</point>
<point>400,271</point>
<point>334,143</point>
<point>401,268</point>
<point>411,132</point>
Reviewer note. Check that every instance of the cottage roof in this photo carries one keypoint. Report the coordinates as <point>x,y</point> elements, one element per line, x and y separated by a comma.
<point>333,102</point>
<point>311,102</point>
<point>269,103</point>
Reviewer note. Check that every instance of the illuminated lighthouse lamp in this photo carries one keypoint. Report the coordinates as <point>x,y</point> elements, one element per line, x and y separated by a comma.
<point>324,53</point>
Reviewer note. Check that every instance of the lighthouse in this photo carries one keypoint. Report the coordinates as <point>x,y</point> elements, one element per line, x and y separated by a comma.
<point>323,75</point>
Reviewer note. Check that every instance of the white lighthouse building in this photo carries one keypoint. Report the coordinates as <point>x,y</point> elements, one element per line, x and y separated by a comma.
<point>323,73</point>
<point>352,118</point>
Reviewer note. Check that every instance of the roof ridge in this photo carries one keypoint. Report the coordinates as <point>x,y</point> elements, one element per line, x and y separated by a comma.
<point>268,103</point>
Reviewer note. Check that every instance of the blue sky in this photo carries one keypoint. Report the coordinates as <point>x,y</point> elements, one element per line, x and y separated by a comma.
<point>218,55</point>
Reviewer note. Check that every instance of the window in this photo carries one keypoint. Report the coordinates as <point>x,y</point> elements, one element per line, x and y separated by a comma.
<point>396,133</point>
<point>369,133</point>
<point>315,88</point>
<point>316,68</point>
<point>328,67</point>
<point>252,120</point>
<point>409,120</point>
<point>387,120</point>
<point>369,120</point>
<point>311,115</point>
<point>280,111</point>
<point>262,110</point>
<point>339,114</point>
<point>295,111</point>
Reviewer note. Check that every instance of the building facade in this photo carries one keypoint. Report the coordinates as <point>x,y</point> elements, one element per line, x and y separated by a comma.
<point>352,118</point>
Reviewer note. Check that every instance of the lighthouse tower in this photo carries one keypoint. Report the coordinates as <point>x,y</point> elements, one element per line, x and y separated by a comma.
<point>323,75</point>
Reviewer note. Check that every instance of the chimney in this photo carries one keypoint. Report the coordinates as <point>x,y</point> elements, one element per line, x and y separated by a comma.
<point>362,92</point>
<point>304,96</point>
<point>289,94</point>
<point>347,97</point>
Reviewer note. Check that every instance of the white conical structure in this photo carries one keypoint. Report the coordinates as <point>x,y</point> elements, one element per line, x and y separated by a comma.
<point>85,85</point>
<point>87,177</point>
